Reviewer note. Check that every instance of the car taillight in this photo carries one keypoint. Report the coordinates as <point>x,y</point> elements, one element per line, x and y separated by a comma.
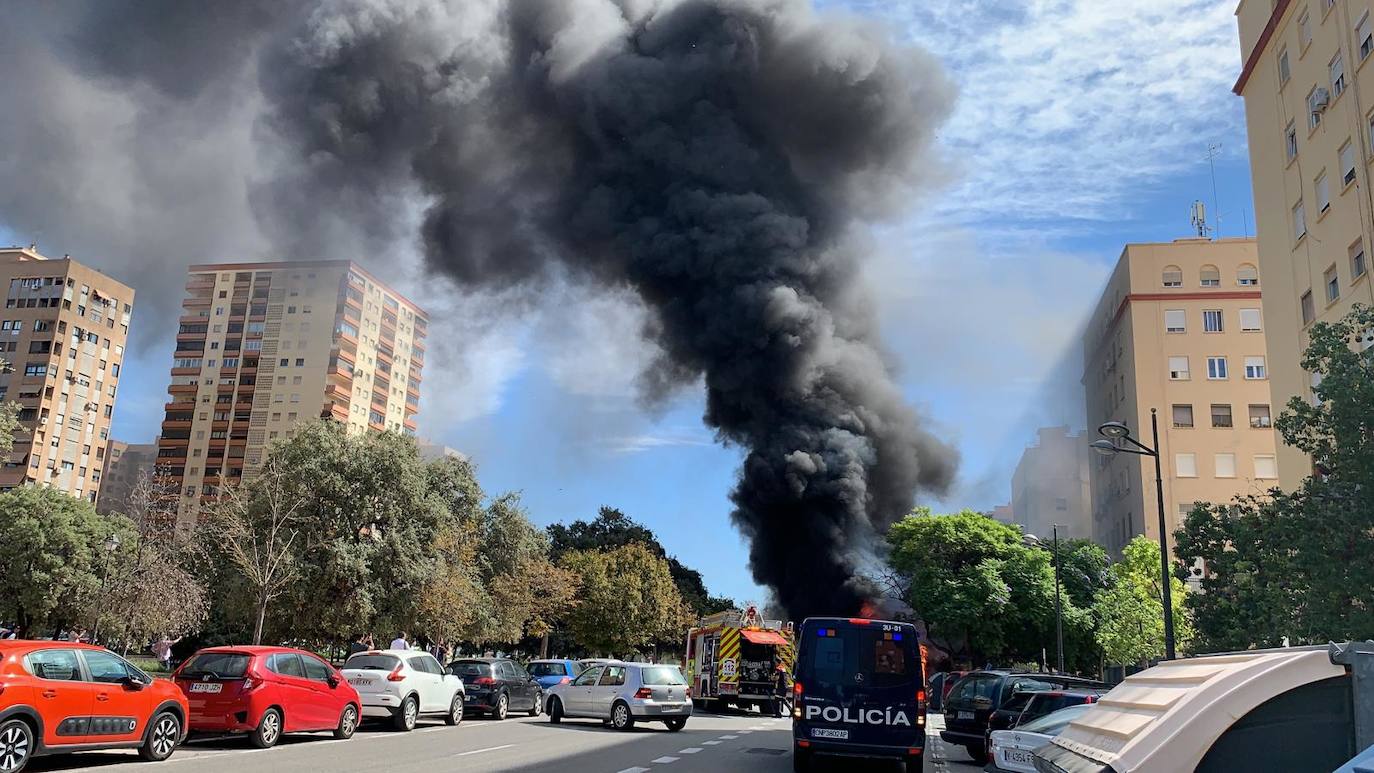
<point>566,680</point>
<point>395,675</point>
<point>921,706</point>
<point>1092,699</point>
<point>485,680</point>
<point>796,700</point>
<point>644,692</point>
<point>688,691</point>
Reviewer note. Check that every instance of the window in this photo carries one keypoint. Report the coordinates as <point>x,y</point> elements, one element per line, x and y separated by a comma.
<point>1358,263</point>
<point>300,361</point>
<point>1337,70</point>
<point>1304,30</point>
<point>1226,465</point>
<point>1364,36</point>
<point>1347,157</point>
<point>1323,191</point>
<point>1178,368</point>
<point>1285,72</point>
<point>1254,368</point>
<point>1209,276</point>
<point>106,667</point>
<point>1175,321</point>
<point>1183,416</point>
<point>1173,276</point>
<point>1309,308</point>
<point>57,665</point>
<point>1299,222</point>
<point>1216,368</point>
<point>319,672</point>
<point>1212,321</point>
<point>286,664</point>
<point>1290,141</point>
<point>36,369</point>
<point>1185,465</point>
<point>1221,415</point>
<point>1259,417</point>
<point>1314,108</point>
<point>1250,321</point>
<point>1332,282</point>
<point>1266,468</point>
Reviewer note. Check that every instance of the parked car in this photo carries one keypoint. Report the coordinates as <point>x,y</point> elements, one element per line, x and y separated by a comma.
<point>939,686</point>
<point>404,685</point>
<point>1027,706</point>
<point>1010,750</point>
<point>498,686</point>
<point>551,672</point>
<point>586,663</point>
<point>266,692</point>
<point>59,697</point>
<point>624,693</point>
<point>975,698</point>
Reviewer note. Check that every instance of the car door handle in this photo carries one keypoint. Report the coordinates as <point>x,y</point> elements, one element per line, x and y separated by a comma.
<point>102,697</point>
<point>50,693</point>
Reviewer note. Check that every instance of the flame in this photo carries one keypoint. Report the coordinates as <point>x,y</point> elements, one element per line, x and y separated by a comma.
<point>868,611</point>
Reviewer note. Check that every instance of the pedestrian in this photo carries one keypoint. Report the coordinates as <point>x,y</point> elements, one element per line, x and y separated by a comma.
<point>359,644</point>
<point>162,650</point>
<point>779,689</point>
<point>400,643</point>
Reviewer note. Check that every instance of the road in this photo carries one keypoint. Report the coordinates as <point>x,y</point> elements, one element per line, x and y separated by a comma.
<point>709,744</point>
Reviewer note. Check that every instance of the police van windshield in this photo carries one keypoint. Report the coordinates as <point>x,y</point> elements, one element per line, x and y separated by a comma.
<point>881,659</point>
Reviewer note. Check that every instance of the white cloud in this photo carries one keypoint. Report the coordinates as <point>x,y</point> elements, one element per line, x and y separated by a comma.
<point>633,444</point>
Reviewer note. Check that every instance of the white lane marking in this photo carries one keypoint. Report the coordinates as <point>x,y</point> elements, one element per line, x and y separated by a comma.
<point>665,760</point>
<point>710,743</point>
<point>728,737</point>
<point>689,750</point>
<point>632,770</point>
<point>488,749</point>
<point>744,732</point>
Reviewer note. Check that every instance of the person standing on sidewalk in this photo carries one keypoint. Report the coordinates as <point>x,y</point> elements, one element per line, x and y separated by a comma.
<point>400,643</point>
<point>359,644</point>
<point>162,650</point>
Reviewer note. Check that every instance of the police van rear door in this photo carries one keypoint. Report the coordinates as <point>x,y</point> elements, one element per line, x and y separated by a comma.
<point>859,683</point>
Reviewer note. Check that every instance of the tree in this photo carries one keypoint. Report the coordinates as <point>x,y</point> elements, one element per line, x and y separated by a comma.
<point>9,416</point>
<point>627,601</point>
<point>51,556</point>
<point>1130,612</point>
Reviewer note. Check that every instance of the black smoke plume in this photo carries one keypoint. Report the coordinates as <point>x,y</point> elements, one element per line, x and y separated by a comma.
<point>712,156</point>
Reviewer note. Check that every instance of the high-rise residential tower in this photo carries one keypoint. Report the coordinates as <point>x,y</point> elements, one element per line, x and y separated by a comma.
<point>62,333</point>
<point>1051,486</point>
<point>262,346</point>
<point>1179,329</point>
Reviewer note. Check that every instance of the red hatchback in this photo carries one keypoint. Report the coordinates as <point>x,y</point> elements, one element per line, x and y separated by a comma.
<point>266,691</point>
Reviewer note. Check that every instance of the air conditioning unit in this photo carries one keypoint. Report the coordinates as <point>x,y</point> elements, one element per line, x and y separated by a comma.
<point>1319,100</point>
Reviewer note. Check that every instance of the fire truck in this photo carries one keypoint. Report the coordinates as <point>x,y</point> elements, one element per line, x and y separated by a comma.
<point>732,657</point>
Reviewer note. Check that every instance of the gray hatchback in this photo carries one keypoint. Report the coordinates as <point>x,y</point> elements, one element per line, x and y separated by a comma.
<point>622,694</point>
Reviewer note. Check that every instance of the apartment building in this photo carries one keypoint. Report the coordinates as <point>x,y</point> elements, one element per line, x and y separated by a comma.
<point>62,335</point>
<point>262,346</point>
<point>1179,329</point>
<point>1309,108</point>
<point>125,464</point>
<point>1051,485</point>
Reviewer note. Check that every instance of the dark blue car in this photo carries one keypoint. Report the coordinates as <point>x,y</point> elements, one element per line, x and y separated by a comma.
<point>551,672</point>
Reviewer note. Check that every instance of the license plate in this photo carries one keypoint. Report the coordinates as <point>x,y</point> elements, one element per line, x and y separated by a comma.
<point>1017,755</point>
<point>360,682</point>
<point>825,732</point>
<point>206,687</point>
<point>966,715</point>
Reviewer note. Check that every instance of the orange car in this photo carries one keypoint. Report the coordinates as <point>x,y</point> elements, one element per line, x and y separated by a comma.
<point>58,697</point>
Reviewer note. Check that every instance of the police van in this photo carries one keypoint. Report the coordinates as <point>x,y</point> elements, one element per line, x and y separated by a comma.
<point>859,691</point>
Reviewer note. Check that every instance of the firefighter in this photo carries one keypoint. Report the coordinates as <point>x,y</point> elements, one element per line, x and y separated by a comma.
<point>780,691</point>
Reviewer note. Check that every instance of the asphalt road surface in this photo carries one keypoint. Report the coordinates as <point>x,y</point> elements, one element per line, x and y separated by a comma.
<point>709,744</point>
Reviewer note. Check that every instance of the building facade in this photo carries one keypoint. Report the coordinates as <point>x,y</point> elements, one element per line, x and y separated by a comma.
<point>1051,486</point>
<point>63,335</point>
<point>1309,108</point>
<point>125,464</point>
<point>262,346</point>
<point>1179,329</point>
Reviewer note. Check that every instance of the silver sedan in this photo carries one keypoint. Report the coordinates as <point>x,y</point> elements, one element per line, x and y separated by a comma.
<point>622,694</point>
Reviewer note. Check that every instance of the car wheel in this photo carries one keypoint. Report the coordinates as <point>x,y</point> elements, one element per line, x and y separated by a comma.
<point>620,716</point>
<point>455,710</point>
<point>164,733</point>
<point>555,710</point>
<point>409,714</point>
<point>268,731</point>
<point>16,745</point>
<point>502,707</point>
<point>978,753</point>
<point>348,722</point>
<point>538,704</point>
<point>676,724</point>
<point>801,760</point>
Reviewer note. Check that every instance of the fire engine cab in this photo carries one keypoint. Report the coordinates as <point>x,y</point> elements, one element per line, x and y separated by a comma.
<point>733,656</point>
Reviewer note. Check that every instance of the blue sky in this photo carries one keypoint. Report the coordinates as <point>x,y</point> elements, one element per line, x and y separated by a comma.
<point>1066,143</point>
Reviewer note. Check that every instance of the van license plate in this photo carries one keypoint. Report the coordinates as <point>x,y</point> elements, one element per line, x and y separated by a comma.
<point>825,732</point>
<point>206,687</point>
<point>966,715</point>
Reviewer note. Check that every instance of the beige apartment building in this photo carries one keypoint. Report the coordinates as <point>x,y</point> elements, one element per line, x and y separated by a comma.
<point>1180,329</point>
<point>262,346</point>
<point>125,464</point>
<point>1051,485</point>
<point>62,333</point>
<point>1309,108</point>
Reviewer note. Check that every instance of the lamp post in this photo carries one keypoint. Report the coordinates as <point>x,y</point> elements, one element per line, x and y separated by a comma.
<point>111,545</point>
<point>1119,441</point>
<point>1058,609</point>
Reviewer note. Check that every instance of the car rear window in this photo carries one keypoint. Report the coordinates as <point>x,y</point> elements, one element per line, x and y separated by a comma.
<point>971,687</point>
<point>838,654</point>
<point>662,675</point>
<point>372,662</point>
<point>1046,703</point>
<point>1054,724</point>
<point>218,665</point>
<point>469,668</point>
<point>548,669</point>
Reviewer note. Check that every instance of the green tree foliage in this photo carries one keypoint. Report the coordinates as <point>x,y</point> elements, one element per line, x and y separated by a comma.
<point>1130,612</point>
<point>1300,564</point>
<point>52,558</point>
<point>628,600</point>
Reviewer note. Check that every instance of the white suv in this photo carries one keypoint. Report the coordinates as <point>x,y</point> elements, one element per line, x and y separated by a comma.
<point>404,685</point>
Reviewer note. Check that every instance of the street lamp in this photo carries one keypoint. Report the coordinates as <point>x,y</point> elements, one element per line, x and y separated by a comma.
<point>111,545</point>
<point>1116,431</point>
<point>1058,609</point>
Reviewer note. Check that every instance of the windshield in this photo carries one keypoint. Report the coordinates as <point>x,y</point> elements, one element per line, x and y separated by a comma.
<point>662,675</point>
<point>548,669</point>
<point>469,668</point>
<point>219,665</point>
<point>971,687</point>
<point>839,656</point>
<point>367,662</point>
<point>1053,724</point>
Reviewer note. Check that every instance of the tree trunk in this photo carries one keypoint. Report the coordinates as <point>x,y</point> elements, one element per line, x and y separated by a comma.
<point>262,613</point>
<point>543,646</point>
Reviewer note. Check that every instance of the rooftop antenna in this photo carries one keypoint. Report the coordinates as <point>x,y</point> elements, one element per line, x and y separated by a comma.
<point>1198,217</point>
<point>1212,152</point>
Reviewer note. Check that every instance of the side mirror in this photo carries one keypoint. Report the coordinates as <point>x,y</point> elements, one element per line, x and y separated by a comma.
<point>332,680</point>
<point>132,683</point>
